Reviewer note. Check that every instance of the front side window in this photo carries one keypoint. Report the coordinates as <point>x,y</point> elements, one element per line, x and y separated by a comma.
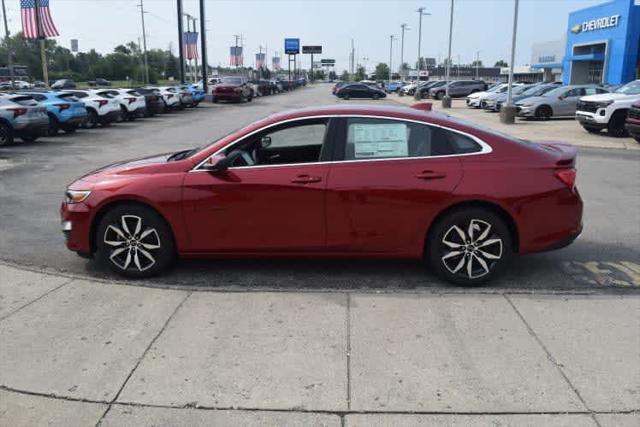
<point>287,144</point>
<point>370,138</point>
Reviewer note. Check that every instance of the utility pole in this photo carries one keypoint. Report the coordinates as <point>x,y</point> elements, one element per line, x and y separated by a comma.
<point>508,112</point>
<point>203,46</point>
<point>9,55</point>
<point>353,58</point>
<point>144,41</point>
<point>477,65</point>
<point>421,13</point>
<point>446,101</point>
<point>260,56</point>
<point>404,27</point>
<point>391,37</point>
<point>43,54</point>
<point>180,41</point>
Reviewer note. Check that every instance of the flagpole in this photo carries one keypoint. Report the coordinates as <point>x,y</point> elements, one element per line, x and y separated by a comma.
<point>41,38</point>
<point>195,41</point>
<point>9,58</point>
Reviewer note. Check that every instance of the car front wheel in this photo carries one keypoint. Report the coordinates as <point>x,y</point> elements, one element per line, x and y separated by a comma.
<point>469,246</point>
<point>134,241</point>
<point>616,124</point>
<point>6,134</point>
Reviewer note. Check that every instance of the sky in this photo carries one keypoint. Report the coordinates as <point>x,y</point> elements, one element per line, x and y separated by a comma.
<point>478,25</point>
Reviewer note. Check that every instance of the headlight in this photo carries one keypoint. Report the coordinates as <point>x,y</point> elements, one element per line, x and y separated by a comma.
<point>604,104</point>
<point>76,196</point>
<point>524,105</point>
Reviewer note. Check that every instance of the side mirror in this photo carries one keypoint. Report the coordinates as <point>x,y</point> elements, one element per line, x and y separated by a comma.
<point>217,163</point>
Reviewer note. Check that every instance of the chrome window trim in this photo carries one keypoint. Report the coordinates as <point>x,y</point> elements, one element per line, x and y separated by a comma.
<point>485,147</point>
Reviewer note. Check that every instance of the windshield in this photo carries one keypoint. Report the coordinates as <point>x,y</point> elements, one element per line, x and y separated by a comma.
<point>557,91</point>
<point>632,88</point>
<point>232,80</point>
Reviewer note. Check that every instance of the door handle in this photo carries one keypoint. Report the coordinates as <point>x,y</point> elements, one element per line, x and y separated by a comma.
<point>426,175</point>
<point>305,179</point>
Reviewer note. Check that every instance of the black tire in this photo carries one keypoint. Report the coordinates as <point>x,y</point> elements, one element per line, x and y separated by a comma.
<point>543,112</point>
<point>637,138</point>
<point>124,114</point>
<point>439,95</point>
<point>195,104</point>
<point>454,268</point>
<point>6,134</point>
<point>154,238</point>
<point>215,100</point>
<point>250,99</point>
<point>376,96</point>
<point>616,127</point>
<point>345,97</point>
<point>91,121</point>
<point>54,126</point>
<point>591,129</point>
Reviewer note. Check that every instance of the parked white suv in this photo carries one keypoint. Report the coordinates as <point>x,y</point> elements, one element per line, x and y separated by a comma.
<point>100,109</point>
<point>132,105</point>
<point>475,99</point>
<point>608,110</point>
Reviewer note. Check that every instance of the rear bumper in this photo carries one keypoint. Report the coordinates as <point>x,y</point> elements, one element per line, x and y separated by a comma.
<point>37,128</point>
<point>155,107</point>
<point>75,120</point>
<point>110,117</point>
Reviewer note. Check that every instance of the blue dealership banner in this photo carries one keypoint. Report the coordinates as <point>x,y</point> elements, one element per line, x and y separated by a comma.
<point>292,46</point>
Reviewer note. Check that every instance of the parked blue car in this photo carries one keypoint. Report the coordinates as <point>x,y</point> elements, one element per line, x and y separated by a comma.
<point>197,93</point>
<point>393,86</point>
<point>65,111</point>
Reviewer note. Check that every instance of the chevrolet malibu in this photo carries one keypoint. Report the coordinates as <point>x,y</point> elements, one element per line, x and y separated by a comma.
<point>350,181</point>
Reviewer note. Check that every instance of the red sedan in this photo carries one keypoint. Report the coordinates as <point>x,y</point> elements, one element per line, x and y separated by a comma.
<point>356,181</point>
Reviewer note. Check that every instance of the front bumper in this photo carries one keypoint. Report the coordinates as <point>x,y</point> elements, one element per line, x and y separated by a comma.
<point>76,226</point>
<point>228,96</point>
<point>591,120</point>
<point>633,128</point>
<point>523,111</point>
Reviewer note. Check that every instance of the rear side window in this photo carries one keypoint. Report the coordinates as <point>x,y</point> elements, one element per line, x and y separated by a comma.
<point>368,138</point>
<point>462,144</point>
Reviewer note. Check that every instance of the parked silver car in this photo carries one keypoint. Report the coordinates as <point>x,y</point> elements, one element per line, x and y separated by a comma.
<point>559,102</point>
<point>23,117</point>
<point>458,88</point>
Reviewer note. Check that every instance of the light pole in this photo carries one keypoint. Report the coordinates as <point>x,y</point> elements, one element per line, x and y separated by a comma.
<point>404,27</point>
<point>477,65</point>
<point>391,38</point>
<point>421,13</point>
<point>144,41</point>
<point>446,101</point>
<point>508,111</point>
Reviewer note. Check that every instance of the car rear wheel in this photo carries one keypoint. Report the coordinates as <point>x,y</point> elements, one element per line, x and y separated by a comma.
<point>376,96</point>
<point>616,124</point>
<point>134,241</point>
<point>469,246</point>
<point>543,112</point>
<point>345,97</point>
<point>439,95</point>
<point>91,120</point>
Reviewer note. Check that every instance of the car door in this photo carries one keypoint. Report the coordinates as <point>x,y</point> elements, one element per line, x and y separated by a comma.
<point>270,199</point>
<point>568,104</point>
<point>389,178</point>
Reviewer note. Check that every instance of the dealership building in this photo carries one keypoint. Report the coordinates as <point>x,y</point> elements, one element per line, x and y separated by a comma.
<point>601,45</point>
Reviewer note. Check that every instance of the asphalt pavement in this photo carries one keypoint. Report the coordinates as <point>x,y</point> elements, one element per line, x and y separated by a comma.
<point>33,177</point>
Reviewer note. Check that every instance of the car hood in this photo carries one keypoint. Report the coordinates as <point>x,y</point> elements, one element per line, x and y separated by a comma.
<point>608,97</point>
<point>134,166</point>
<point>477,95</point>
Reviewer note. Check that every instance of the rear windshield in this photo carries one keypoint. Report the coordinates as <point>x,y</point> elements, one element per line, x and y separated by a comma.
<point>68,97</point>
<point>25,100</point>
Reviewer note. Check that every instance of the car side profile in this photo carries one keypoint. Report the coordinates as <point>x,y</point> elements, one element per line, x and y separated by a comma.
<point>101,109</point>
<point>360,91</point>
<point>65,111</point>
<point>335,181</point>
<point>458,88</point>
<point>559,102</point>
<point>23,117</point>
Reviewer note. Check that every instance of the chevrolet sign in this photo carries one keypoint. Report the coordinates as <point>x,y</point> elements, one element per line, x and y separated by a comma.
<point>596,24</point>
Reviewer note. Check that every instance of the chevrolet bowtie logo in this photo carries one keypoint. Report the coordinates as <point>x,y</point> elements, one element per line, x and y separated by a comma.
<point>576,28</point>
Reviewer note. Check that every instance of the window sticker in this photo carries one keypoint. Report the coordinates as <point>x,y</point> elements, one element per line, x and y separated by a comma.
<point>380,140</point>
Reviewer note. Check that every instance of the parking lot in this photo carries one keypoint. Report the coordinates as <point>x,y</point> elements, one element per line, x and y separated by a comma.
<point>332,342</point>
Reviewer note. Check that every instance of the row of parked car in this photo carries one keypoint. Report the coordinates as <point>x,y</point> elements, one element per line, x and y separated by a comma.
<point>30,113</point>
<point>241,89</point>
<point>596,107</point>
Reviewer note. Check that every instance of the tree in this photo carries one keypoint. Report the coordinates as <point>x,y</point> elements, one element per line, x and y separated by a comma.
<point>477,62</point>
<point>382,71</point>
<point>345,76</point>
<point>501,63</point>
<point>361,73</point>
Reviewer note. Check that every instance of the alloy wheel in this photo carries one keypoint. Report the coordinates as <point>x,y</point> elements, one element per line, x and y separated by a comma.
<point>132,245</point>
<point>471,251</point>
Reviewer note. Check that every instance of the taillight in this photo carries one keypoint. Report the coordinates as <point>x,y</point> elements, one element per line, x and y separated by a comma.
<point>131,100</point>
<point>568,177</point>
<point>102,102</point>
<point>18,111</point>
<point>62,107</point>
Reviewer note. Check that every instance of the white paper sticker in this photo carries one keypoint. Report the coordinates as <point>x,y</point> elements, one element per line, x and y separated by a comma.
<point>380,140</point>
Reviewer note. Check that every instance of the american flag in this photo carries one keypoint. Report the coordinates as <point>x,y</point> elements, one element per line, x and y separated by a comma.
<point>30,22</point>
<point>191,45</point>
<point>235,55</point>
<point>275,62</point>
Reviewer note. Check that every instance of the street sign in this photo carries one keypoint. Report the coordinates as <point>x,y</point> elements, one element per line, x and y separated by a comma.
<point>311,49</point>
<point>328,61</point>
<point>292,46</point>
<point>74,45</point>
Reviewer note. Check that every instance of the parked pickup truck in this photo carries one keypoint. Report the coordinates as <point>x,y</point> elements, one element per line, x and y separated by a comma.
<point>608,110</point>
